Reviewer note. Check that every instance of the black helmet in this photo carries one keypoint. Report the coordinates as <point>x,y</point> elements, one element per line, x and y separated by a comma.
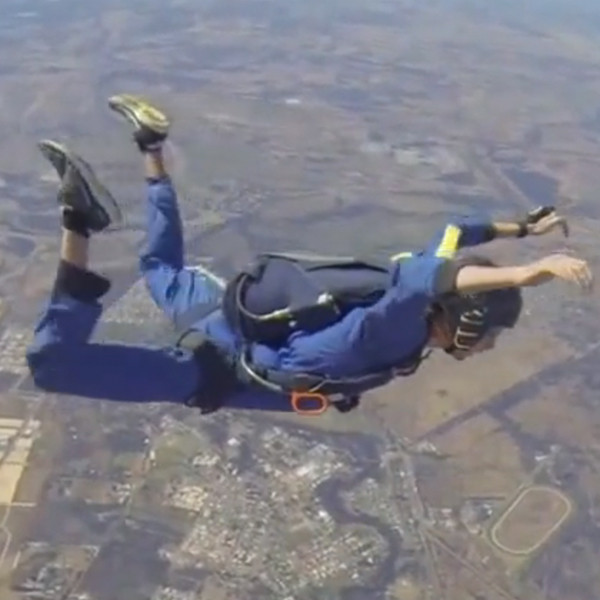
<point>472,316</point>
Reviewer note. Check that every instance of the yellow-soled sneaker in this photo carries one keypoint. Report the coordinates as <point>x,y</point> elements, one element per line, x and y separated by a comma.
<point>151,125</point>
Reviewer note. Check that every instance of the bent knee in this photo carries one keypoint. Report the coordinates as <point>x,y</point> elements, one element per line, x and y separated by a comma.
<point>163,283</point>
<point>46,365</point>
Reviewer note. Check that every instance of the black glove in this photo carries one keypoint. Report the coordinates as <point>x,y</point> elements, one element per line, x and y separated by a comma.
<point>537,214</point>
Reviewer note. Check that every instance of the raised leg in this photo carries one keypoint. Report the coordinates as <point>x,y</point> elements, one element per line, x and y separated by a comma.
<point>175,289</point>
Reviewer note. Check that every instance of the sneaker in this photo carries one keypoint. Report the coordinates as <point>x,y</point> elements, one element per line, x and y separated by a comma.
<point>151,126</point>
<point>80,189</point>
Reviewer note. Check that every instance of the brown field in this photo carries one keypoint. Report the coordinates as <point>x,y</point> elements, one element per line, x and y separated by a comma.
<point>482,461</point>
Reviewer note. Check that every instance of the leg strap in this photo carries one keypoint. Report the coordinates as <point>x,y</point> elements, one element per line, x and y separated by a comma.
<point>218,372</point>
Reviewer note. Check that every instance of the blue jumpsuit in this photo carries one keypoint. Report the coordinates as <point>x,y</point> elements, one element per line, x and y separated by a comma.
<point>62,359</point>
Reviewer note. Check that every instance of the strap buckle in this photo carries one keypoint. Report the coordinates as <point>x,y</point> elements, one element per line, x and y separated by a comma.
<point>298,400</point>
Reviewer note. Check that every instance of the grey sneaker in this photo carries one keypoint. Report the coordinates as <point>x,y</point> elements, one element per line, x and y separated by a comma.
<point>80,190</point>
<point>151,126</point>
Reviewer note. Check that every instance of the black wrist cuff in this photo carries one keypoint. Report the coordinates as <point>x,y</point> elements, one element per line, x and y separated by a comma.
<point>489,233</point>
<point>148,141</point>
<point>523,231</point>
<point>78,283</point>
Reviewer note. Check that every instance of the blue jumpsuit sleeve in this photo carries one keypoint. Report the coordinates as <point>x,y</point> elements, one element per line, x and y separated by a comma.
<point>459,234</point>
<point>62,360</point>
<point>388,331</point>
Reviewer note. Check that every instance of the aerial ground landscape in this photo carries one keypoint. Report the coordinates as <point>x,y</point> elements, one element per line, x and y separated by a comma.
<point>337,126</point>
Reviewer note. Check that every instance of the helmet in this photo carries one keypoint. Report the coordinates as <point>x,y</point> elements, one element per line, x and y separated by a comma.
<point>472,316</point>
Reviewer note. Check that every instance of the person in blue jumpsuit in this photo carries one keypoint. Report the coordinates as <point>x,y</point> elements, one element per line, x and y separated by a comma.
<point>430,300</point>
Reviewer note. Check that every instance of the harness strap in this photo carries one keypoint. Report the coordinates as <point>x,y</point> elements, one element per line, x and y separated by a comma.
<point>309,394</point>
<point>218,372</point>
<point>289,383</point>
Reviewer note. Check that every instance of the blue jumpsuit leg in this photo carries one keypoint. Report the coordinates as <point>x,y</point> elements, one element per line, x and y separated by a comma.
<point>62,360</point>
<point>175,288</point>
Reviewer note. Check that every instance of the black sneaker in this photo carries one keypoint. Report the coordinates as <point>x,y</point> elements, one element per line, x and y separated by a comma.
<point>80,190</point>
<point>151,126</point>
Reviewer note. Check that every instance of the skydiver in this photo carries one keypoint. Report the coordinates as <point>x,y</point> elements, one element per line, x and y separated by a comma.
<point>282,329</point>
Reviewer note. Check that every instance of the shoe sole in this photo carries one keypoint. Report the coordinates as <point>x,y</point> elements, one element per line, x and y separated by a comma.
<point>140,113</point>
<point>60,157</point>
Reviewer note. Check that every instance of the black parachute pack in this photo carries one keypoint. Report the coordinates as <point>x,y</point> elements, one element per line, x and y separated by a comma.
<point>279,294</point>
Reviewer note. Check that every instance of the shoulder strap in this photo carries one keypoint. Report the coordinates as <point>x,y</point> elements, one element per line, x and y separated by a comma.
<point>322,261</point>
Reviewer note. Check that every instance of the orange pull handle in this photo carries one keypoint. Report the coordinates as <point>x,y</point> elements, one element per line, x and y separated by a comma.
<point>300,398</point>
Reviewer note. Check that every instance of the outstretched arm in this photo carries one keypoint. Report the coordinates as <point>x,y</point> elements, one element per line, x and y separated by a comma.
<point>473,232</point>
<point>538,221</point>
<point>473,279</point>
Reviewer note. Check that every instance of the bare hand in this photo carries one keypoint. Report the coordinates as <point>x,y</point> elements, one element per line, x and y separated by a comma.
<point>547,223</point>
<point>561,266</point>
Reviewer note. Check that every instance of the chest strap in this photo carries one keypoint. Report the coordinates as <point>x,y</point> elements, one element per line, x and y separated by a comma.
<point>312,394</point>
<point>288,381</point>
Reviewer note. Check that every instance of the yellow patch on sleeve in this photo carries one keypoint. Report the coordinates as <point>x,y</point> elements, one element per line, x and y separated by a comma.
<point>449,244</point>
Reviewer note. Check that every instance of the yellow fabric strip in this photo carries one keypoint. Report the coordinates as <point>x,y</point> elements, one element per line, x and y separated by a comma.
<point>449,244</point>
